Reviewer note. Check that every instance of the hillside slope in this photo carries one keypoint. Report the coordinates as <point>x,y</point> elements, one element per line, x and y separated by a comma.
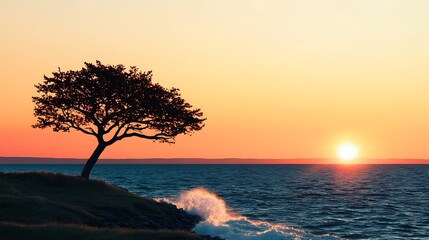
<point>34,203</point>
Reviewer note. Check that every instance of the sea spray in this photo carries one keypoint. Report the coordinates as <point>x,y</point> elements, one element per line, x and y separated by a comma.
<point>219,220</point>
<point>206,204</point>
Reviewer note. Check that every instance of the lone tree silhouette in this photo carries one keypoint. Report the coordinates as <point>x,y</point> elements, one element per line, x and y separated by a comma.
<point>112,103</point>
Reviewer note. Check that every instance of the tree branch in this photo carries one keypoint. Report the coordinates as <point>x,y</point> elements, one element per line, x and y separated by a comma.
<point>111,127</point>
<point>89,132</point>
<point>115,136</point>
<point>158,136</point>
<point>71,124</point>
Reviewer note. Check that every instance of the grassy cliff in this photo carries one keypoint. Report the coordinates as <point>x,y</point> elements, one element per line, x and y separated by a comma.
<point>43,205</point>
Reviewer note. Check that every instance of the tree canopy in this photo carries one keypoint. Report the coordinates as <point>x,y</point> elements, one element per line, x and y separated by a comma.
<point>112,103</point>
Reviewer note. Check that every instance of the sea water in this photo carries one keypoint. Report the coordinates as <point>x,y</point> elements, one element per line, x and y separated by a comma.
<point>282,201</point>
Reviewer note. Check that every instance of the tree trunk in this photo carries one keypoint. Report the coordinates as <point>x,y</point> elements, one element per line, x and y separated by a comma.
<point>92,160</point>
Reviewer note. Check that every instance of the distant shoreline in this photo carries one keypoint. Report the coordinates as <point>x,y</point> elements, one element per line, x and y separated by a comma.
<point>208,161</point>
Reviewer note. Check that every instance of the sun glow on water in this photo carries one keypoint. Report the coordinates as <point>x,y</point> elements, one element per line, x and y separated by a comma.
<point>347,151</point>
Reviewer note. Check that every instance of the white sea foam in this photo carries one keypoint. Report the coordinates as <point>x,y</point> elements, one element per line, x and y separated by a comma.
<point>221,221</point>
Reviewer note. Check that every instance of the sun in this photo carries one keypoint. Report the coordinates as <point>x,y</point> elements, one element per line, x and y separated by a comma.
<point>347,151</point>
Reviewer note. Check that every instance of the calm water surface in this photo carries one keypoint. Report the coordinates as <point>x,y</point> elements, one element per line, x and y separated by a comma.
<point>348,201</point>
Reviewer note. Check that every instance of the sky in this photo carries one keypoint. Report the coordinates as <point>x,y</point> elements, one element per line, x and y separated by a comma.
<point>275,79</point>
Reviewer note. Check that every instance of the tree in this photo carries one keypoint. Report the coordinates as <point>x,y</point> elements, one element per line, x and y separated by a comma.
<point>111,104</point>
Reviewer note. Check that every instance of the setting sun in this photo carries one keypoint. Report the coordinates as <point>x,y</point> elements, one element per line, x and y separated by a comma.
<point>347,151</point>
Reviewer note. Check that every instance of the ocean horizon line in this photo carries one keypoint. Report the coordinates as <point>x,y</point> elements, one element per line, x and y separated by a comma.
<point>211,161</point>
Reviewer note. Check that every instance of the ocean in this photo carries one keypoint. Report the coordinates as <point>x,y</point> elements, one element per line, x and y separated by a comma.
<point>272,202</point>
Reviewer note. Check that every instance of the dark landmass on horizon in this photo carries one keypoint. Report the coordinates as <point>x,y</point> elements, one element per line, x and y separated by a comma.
<point>41,160</point>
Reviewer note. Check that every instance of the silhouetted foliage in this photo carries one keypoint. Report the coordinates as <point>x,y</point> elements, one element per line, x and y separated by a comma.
<point>112,103</point>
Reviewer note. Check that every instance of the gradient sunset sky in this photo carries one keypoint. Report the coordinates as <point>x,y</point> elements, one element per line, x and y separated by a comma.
<point>275,79</point>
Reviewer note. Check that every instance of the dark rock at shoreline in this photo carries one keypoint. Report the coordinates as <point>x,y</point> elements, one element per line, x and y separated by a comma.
<point>208,237</point>
<point>167,216</point>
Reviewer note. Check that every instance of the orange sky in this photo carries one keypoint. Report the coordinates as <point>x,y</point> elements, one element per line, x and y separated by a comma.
<point>276,79</point>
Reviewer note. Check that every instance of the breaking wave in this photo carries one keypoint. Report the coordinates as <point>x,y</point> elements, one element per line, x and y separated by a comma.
<point>221,221</point>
